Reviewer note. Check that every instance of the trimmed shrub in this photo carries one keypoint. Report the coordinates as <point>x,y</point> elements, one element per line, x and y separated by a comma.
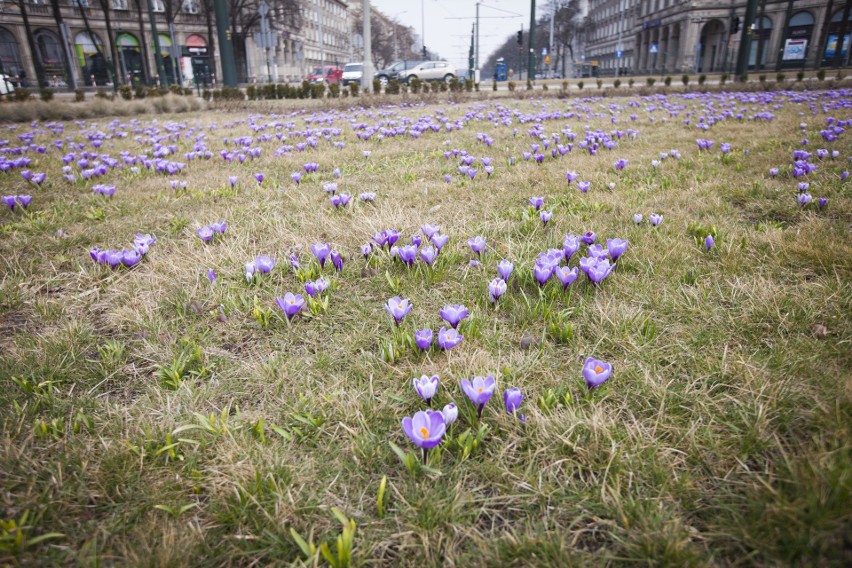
<point>377,86</point>
<point>617,83</point>
<point>580,85</point>
<point>703,78</point>
<point>79,95</point>
<point>684,79</point>
<point>354,88</point>
<point>723,79</point>
<point>102,94</point>
<point>650,81</point>
<point>251,92</point>
<point>544,86</point>
<point>630,82</point>
<point>668,81</point>
<point>317,91</point>
<point>392,87</point>
<point>762,78</point>
<point>140,92</point>
<point>415,85</point>
<point>780,77</point>
<point>744,78</point>
<point>820,75</point>
<point>206,94</point>
<point>494,86</point>
<point>269,91</point>
<point>125,92</point>
<point>334,90</point>
<point>46,95</point>
<point>800,76</point>
<point>564,85</point>
<point>22,95</point>
<point>600,83</point>
<point>511,86</point>
<point>175,89</point>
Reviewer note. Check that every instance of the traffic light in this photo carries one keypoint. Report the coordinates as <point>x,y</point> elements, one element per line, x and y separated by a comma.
<point>735,25</point>
<point>520,37</point>
<point>424,52</point>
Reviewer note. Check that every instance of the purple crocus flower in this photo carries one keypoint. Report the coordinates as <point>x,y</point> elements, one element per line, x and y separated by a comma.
<point>773,172</point>
<point>536,202</point>
<point>448,338</point>
<point>542,272</point>
<point>211,275</point>
<point>588,238</point>
<point>416,239</point>
<point>439,241</point>
<point>219,228</point>
<point>655,219</point>
<point>205,234</point>
<point>429,254</point>
<point>426,387</point>
<point>297,177</point>
<point>637,218</point>
<point>430,230</point>
<point>616,248</point>
<point>425,429</point>
<point>10,201</point>
<point>259,178</point>
<point>398,308</point>
<point>822,201</point>
<point>584,186</point>
<point>512,398</point>
<point>595,372</point>
<point>477,244</point>
<point>453,314</point>
<point>311,288</point>
<point>337,260</point>
<point>233,181</point>
<point>496,288</point>
<point>407,254</point>
<point>290,304</point>
<point>571,176</point>
<point>709,242</point>
<point>321,251</point>
<point>844,175</point>
<point>479,391</point>
<point>448,178</point>
<point>545,216</point>
<point>597,251</point>
<point>620,164</point>
<point>566,275</point>
<point>804,199</point>
<point>451,413</point>
<point>570,245</point>
<point>472,173</point>
<point>423,339</point>
<point>264,264</point>
<point>38,179</point>
<point>599,270</point>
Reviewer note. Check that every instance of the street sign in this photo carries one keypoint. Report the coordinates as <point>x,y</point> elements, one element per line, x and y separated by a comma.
<point>547,60</point>
<point>544,51</point>
<point>618,54</point>
<point>653,48</point>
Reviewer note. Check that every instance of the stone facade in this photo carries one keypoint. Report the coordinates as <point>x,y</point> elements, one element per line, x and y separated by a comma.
<point>193,60</point>
<point>697,36</point>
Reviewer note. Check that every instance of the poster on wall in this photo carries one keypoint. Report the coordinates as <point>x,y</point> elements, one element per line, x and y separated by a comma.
<point>794,49</point>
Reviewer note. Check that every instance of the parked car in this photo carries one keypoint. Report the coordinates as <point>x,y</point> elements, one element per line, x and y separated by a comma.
<point>7,85</point>
<point>385,75</point>
<point>352,73</point>
<point>429,71</point>
<point>330,75</point>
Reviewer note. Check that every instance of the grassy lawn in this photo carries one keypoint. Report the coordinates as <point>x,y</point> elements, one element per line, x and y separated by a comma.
<point>151,417</point>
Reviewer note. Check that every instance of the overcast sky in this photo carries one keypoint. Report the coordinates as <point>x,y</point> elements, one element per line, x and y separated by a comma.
<point>450,36</point>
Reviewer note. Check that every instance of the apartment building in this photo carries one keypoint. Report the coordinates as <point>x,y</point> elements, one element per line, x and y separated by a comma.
<point>704,36</point>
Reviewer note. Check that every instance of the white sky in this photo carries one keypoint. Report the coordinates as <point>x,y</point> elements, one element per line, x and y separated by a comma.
<point>451,37</point>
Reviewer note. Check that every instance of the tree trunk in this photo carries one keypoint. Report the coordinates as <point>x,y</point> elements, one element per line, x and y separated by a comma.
<point>95,43</point>
<point>39,70</point>
<point>211,38</point>
<point>841,35</point>
<point>57,16</point>
<point>146,72</point>
<point>116,79</point>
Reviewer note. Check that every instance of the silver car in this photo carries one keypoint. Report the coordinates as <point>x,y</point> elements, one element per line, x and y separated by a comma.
<point>429,71</point>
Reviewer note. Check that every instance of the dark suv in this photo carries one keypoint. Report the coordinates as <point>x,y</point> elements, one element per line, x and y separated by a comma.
<point>398,67</point>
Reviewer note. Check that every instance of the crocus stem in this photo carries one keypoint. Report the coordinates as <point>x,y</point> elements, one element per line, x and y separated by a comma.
<point>424,455</point>
<point>479,411</point>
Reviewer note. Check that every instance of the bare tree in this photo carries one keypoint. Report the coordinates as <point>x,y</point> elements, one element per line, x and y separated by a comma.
<point>40,81</point>
<point>106,6</point>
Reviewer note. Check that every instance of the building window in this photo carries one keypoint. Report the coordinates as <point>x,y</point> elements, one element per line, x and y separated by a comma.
<point>157,5</point>
<point>119,4</point>
<point>191,7</point>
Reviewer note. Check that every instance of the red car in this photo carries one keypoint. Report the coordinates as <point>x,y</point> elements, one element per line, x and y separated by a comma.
<point>330,75</point>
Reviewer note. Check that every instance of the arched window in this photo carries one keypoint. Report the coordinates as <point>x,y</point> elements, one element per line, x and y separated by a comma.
<point>49,48</point>
<point>797,43</point>
<point>835,27</point>
<point>801,19</point>
<point>10,57</point>
<point>92,64</point>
